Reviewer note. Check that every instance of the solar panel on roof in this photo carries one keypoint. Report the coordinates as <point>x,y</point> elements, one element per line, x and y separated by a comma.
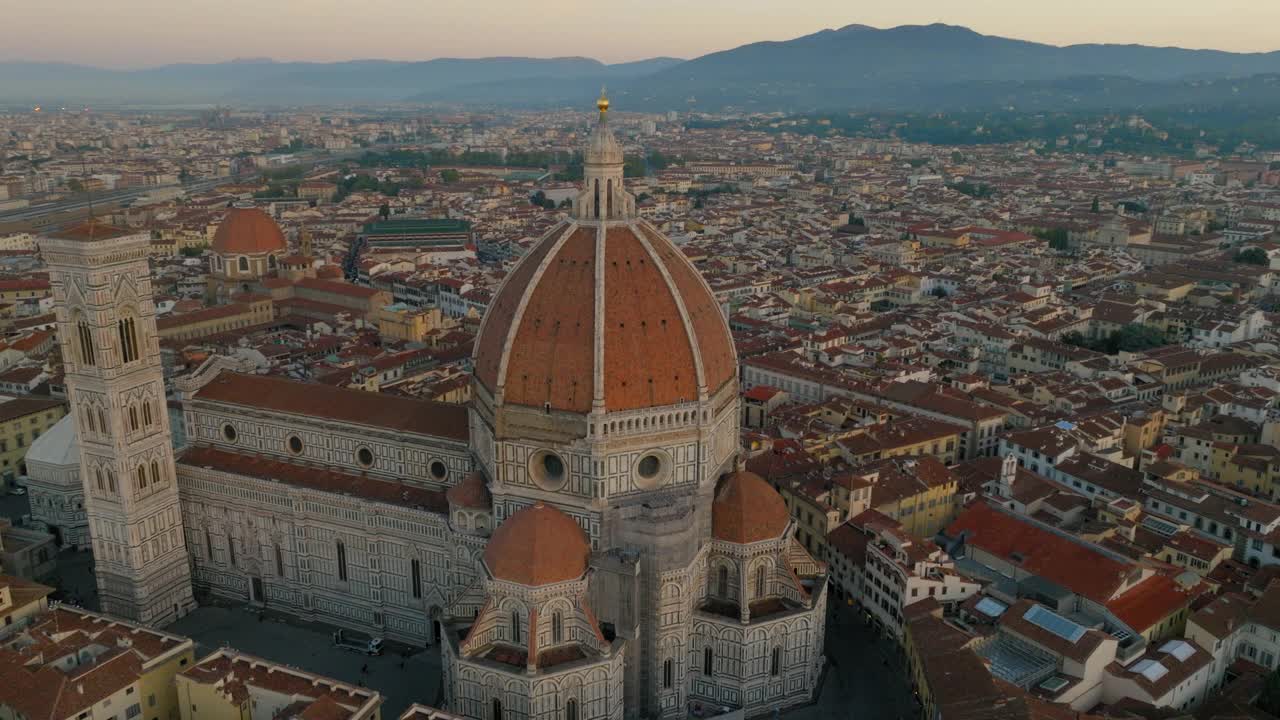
<point>1047,619</point>
<point>991,607</point>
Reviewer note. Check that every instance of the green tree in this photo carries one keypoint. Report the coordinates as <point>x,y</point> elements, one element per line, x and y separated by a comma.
<point>1136,338</point>
<point>74,185</point>
<point>1095,208</point>
<point>449,176</point>
<point>1252,256</point>
<point>956,157</point>
<point>384,210</point>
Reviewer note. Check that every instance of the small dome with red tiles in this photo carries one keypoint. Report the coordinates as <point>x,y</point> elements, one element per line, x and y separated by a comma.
<point>747,509</point>
<point>538,545</point>
<point>248,231</point>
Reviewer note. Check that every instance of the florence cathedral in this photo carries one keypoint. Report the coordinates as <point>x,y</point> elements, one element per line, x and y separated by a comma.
<point>581,542</point>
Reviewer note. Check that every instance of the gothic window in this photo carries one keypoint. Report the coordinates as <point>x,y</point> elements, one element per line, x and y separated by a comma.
<point>133,418</point>
<point>208,544</point>
<point>88,356</point>
<point>231,550</point>
<point>146,413</point>
<point>667,672</point>
<point>128,333</point>
<point>515,626</point>
<point>571,710</point>
<point>708,658</point>
<point>102,422</point>
<point>140,478</point>
<point>415,567</point>
<point>775,661</point>
<point>597,197</point>
<point>557,628</point>
<point>88,420</point>
<point>111,481</point>
<point>497,709</point>
<point>279,562</point>
<point>243,263</point>
<point>155,473</point>
<point>98,476</point>
<point>342,561</point>
<point>608,199</point>
<point>760,581</point>
<point>722,581</point>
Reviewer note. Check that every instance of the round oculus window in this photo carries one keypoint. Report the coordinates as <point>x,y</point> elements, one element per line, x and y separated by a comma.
<point>295,444</point>
<point>229,432</point>
<point>652,470</point>
<point>364,456</point>
<point>438,470</point>
<point>547,470</point>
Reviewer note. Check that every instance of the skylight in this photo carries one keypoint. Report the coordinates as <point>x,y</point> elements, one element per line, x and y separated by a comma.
<point>1180,649</point>
<point>1150,669</point>
<point>1053,622</point>
<point>991,607</point>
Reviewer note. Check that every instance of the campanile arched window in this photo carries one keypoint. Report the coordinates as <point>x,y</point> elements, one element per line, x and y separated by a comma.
<point>127,330</point>
<point>84,335</point>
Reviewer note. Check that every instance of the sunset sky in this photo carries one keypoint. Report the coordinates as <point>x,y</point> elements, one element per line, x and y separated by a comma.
<point>136,33</point>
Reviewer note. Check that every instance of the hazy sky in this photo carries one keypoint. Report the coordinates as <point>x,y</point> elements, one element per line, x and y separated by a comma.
<point>133,33</point>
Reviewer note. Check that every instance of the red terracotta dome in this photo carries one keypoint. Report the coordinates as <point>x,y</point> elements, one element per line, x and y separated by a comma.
<point>747,509</point>
<point>470,493</point>
<point>248,231</point>
<point>538,545</point>
<point>613,314</point>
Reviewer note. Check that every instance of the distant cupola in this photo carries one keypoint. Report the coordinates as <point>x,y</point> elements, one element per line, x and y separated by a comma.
<point>603,196</point>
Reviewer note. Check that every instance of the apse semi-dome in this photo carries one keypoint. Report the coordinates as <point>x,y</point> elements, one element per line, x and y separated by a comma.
<point>747,509</point>
<point>248,231</point>
<point>538,545</point>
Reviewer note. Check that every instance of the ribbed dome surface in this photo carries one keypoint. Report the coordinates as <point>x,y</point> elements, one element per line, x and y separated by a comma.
<point>747,509</point>
<point>538,545</point>
<point>248,231</point>
<point>611,314</point>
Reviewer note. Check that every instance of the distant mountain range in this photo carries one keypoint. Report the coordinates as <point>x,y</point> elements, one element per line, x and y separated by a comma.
<point>854,67</point>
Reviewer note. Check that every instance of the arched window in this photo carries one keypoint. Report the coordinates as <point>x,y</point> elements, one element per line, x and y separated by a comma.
<point>775,661</point>
<point>111,481</point>
<point>271,261</point>
<point>597,196</point>
<point>608,199</point>
<point>342,561</point>
<point>155,473</point>
<point>128,339</point>
<point>98,476</point>
<point>497,709</point>
<point>760,581</point>
<point>133,418</point>
<point>279,562</point>
<point>146,413</point>
<point>243,264</point>
<point>708,658</point>
<point>88,420</point>
<point>667,672</point>
<point>722,581</point>
<point>102,422</point>
<point>515,626</point>
<point>557,628</point>
<point>140,477</point>
<point>88,355</point>
<point>571,710</point>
